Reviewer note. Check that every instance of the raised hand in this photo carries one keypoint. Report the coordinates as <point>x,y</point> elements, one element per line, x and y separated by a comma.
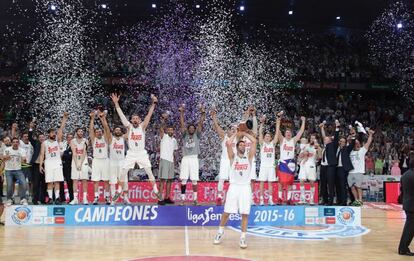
<point>181,108</point>
<point>263,119</point>
<point>154,98</point>
<point>321,125</point>
<point>302,118</point>
<point>66,114</point>
<point>202,109</point>
<point>115,98</point>
<point>92,114</point>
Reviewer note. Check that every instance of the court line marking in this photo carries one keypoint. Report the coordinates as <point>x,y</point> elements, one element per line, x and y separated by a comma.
<point>187,244</point>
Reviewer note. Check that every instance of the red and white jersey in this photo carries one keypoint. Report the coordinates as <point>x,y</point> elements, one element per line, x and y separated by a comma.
<point>136,139</point>
<point>80,147</point>
<point>240,171</point>
<point>100,148</point>
<point>267,154</point>
<point>117,149</point>
<point>52,150</point>
<point>224,155</point>
<point>287,149</point>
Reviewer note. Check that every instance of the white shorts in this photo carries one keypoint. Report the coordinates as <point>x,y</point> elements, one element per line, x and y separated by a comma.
<point>81,174</point>
<point>141,158</point>
<point>189,168</point>
<point>100,170</point>
<point>238,199</point>
<point>115,172</point>
<point>53,172</point>
<point>307,172</point>
<point>253,174</point>
<point>267,174</point>
<point>224,169</point>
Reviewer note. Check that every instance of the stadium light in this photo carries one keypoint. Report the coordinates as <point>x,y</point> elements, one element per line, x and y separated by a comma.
<point>104,6</point>
<point>53,7</point>
<point>241,8</point>
<point>399,25</point>
<point>338,18</point>
<point>290,12</point>
<point>154,6</point>
<point>197,6</point>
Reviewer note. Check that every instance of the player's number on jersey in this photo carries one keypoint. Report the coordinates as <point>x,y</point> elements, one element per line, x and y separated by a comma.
<point>53,154</point>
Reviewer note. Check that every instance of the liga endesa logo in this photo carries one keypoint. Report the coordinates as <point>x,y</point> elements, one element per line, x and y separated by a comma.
<point>323,233</point>
<point>21,215</point>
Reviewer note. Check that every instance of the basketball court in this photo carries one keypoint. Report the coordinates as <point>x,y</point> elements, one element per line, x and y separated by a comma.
<point>376,240</point>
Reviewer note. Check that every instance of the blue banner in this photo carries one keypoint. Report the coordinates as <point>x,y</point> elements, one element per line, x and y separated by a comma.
<point>153,215</point>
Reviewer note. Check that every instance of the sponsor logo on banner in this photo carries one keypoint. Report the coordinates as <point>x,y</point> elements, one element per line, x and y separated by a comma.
<point>324,233</point>
<point>329,212</point>
<point>311,212</point>
<point>37,220</point>
<point>21,215</point>
<point>346,216</point>
<point>59,220</point>
<point>208,215</point>
<point>320,221</point>
<point>309,221</point>
<point>58,211</point>
<point>39,211</point>
<point>49,220</point>
<point>330,220</point>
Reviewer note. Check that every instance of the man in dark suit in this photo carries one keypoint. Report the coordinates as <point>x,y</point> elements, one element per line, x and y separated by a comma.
<point>67,169</point>
<point>38,179</point>
<point>328,165</point>
<point>343,167</point>
<point>407,188</point>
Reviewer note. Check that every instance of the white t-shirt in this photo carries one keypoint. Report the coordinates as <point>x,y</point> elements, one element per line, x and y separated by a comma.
<point>15,163</point>
<point>168,145</point>
<point>358,160</point>
<point>28,148</point>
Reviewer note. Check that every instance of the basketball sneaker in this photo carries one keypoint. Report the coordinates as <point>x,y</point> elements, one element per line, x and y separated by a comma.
<point>290,202</point>
<point>126,201</point>
<point>168,201</point>
<point>74,202</point>
<point>95,201</point>
<point>23,202</point>
<point>242,243</point>
<point>217,238</point>
<point>195,203</point>
<point>271,203</point>
<point>85,201</point>
<point>116,196</point>
<point>9,202</point>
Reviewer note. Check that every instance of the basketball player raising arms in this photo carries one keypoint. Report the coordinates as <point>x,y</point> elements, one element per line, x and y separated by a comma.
<point>224,160</point>
<point>117,150</point>
<point>137,153</point>
<point>286,167</point>
<point>100,161</point>
<point>50,154</point>
<point>267,171</point>
<point>80,167</point>
<point>191,149</point>
<point>239,194</point>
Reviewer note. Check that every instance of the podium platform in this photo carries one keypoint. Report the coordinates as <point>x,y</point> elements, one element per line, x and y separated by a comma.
<point>154,215</point>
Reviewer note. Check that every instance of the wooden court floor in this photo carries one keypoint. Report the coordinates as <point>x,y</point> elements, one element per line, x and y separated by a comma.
<point>129,243</point>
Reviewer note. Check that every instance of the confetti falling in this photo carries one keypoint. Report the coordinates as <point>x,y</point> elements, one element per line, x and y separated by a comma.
<point>62,80</point>
<point>391,44</point>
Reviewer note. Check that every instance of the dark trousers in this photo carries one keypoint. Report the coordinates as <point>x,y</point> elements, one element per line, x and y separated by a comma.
<point>408,233</point>
<point>341,187</point>
<point>67,169</point>
<point>39,185</point>
<point>327,177</point>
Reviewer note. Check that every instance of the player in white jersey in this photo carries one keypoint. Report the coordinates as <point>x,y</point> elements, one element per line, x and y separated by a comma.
<point>80,167</point>
<point>136,141</point>
<point>50,155</point>
<point>309,154</point>
<point>239,194</point>
<point>224,160</point>
<point>100,162</point>
<point>117,150</point>
<point>267,171</point>
<point>286,166</point>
